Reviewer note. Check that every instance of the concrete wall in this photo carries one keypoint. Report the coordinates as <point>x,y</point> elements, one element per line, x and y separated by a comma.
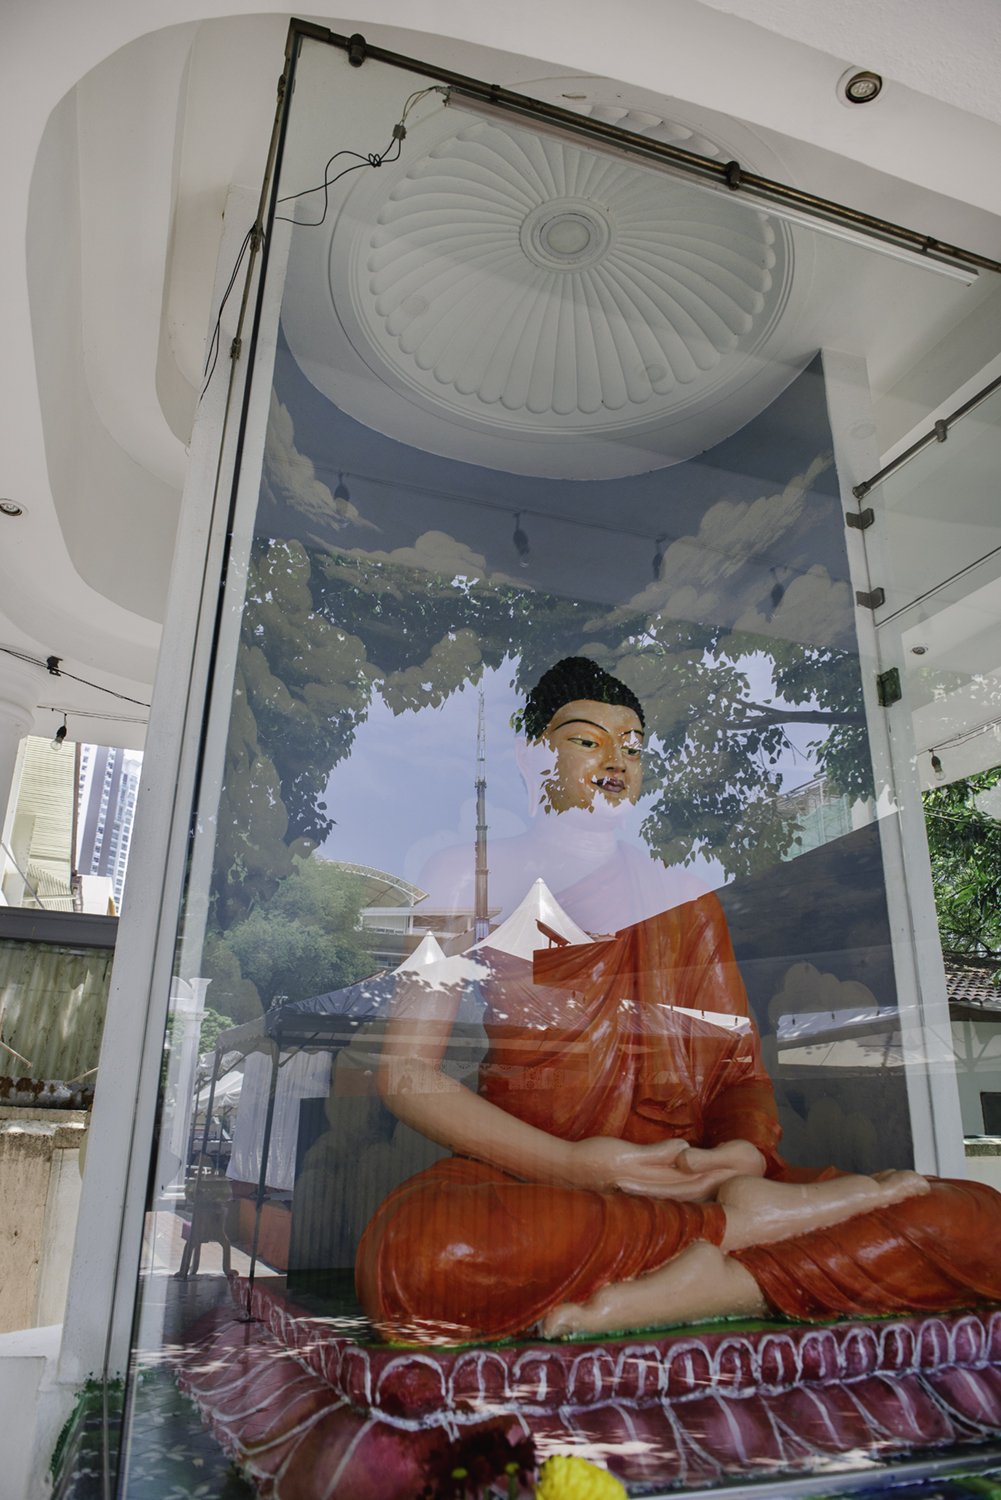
<point>40,1192</point>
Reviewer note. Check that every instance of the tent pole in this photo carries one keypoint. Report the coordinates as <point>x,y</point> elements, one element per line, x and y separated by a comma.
<point>261,1181</point>
<point>208,1108</point>
<point>189,1252</point>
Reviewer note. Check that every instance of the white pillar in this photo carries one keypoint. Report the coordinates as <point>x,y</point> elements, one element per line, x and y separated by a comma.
<point>21,686</point>
<point>188,1001</point>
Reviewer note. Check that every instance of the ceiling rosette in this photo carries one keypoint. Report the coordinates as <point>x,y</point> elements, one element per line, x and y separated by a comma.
<point>508,284</point>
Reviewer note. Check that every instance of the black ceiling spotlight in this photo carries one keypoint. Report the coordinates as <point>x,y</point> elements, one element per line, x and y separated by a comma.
<point>520,539</point>
<point>936,763</point>
<point>859,86</point>
<point>60,735</point>
<point>11,508</point>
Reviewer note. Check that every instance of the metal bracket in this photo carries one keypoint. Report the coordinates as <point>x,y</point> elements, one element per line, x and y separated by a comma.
<point>860,520</point>
<point>888,689</point>
<point>871,600</point>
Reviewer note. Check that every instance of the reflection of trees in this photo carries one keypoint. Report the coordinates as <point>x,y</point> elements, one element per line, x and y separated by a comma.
<point>301,940</point>
<point>964,841</point>
<point>323,630</point>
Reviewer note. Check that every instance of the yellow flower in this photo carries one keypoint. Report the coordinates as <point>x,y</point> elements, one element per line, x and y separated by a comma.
<point>567,1478</point>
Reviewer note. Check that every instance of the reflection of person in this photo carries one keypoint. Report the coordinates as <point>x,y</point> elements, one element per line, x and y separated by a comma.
<point>617,1167</point>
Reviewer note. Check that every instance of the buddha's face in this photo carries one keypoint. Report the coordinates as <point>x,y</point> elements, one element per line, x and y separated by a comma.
<point>598,749</point>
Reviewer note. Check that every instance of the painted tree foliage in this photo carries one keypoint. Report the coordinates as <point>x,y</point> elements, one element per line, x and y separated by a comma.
<point>324,631</point>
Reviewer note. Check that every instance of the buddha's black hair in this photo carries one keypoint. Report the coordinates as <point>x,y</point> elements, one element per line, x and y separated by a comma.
<point>572,678</point>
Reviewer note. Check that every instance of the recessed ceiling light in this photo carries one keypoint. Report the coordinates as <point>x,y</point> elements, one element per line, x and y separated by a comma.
<point>11,508</point>
<point>919,650</point>
<point>859,86</point>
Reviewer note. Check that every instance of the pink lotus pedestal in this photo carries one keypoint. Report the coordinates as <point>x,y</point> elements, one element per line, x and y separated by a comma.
<point>312,1415</point>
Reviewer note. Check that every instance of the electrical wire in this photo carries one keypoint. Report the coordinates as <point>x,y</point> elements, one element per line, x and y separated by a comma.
<point>212,355</point>
<point>368,159</point>
<point>371,159</point>
<point>70,676</point>
<point>89,713</point>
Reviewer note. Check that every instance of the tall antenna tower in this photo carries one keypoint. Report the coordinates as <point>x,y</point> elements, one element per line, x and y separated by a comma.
<point>481,921</point>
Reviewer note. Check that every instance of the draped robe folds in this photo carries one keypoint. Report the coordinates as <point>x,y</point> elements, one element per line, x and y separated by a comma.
<point>616,1038</point>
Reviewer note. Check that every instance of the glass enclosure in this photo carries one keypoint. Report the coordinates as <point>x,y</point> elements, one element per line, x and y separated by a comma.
<point>537,959</point>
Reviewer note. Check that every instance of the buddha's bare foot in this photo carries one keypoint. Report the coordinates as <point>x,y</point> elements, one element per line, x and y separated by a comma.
<point>568,1318</point>
<point>898,1183</point>
<point>699,1284</point>
<point>759,1212</point>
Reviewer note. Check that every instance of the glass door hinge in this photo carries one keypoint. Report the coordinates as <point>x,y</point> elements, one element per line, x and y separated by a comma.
<point>888,689</point>
<point>861,520</point>
<point>872,600</point>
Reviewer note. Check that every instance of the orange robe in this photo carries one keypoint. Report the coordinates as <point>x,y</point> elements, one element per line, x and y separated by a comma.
<point>601,1039</point>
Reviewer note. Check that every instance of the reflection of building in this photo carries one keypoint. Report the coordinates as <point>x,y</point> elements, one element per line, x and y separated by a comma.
<point>35,865</point>
<point>822,814</point>
<point>109,782</point>
<point>975,1012</point>
<point>394,926</point>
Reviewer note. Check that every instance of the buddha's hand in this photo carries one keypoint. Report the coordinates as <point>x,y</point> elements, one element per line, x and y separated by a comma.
<point>744,1159</point>
<point>654,1171</point>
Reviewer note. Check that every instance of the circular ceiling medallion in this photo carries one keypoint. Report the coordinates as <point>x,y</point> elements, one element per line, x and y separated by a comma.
<point>513,284</point>
<point>566,234</point>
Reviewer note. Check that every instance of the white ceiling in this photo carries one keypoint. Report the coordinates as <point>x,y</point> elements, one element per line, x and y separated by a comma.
<point>125,129</point>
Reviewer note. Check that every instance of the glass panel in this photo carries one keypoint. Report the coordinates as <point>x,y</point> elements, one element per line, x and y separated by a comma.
<point>940,511</point>
<point>940,545</point>
<point>545,886</point>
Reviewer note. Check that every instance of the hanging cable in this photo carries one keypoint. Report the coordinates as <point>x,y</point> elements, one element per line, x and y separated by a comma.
<point>52,665</point>
<point>368,159</point>
<point>212,354</point>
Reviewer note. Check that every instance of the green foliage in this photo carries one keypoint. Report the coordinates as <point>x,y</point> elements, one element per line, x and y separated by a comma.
<point>303,939</point>
<point>230,989</point>
<point>213,1024</point>
<point>965,847</point>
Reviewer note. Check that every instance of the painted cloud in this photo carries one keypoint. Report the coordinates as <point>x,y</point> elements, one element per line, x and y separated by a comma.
<point>289,477</point>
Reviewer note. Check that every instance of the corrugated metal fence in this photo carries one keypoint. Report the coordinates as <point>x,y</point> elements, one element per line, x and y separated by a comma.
<point>53,999</point>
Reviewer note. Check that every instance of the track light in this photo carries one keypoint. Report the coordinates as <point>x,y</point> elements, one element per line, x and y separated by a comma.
<point>936,764</point>
<point>342,495</point>
<point>520,540</point>
<point>59,736</point>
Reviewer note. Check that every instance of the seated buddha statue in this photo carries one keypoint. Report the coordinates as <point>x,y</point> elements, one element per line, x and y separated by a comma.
<point>617,1166</point>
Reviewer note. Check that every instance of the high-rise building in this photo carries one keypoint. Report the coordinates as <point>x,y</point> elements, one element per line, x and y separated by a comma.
<point>109,781</point>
